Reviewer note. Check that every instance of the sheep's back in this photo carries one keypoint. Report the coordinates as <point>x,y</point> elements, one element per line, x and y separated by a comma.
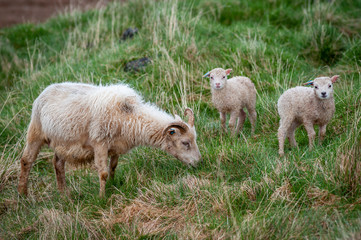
<point>71,111</point>
<point>242,88</point>
<point>296,102</point>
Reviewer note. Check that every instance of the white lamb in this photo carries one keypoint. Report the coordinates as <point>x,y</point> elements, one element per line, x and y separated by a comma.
<point>306,106</point>
<point>232,96</point>
<point>84,123</point>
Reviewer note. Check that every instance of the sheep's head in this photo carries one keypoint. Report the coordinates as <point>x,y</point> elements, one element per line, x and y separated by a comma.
<point>180,140</point>
<point>323,86</point>
<point>218,77</point>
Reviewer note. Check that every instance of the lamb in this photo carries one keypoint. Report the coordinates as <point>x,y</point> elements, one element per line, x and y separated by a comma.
<point>232,96</point>
<point>86,123</point>
<point>307,106</point>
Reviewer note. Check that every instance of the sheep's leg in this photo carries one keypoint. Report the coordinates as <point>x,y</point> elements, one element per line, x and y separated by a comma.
<point>59,165</point>
<point>223,121</point>
<point>241,119</point>
<point>322,133</point>
<point>252,118</point>
<point>291,133</point>
<point>282,131</point>
<point>112,166</point>
<point>311,134</point>
<point>100,159</point>
<point>29,156</point>
<point>232,122</point>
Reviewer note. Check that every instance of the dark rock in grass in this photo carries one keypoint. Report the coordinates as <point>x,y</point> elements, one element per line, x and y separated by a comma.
<point>137,65</point>
<point>129,33</point>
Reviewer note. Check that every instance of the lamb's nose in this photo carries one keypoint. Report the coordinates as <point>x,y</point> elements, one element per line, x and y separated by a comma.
<point>217,84</point>
<point>323,93</point>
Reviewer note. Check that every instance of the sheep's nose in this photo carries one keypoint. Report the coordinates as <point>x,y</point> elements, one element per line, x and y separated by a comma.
<point>218,84</point>
<point>323,93</point>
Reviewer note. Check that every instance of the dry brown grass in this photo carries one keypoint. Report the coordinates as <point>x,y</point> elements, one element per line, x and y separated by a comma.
<point>321,197</point>
<point>149,215</point>
<point>283,192</point>
<point>53,223</point>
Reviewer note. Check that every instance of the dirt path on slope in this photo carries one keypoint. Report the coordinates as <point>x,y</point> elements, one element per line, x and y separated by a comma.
<point>21,11</point>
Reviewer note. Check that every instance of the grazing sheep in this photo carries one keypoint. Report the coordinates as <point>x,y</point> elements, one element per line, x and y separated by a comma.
<point>232,96</point>
<point>84,123</point>
<point>303,105</point>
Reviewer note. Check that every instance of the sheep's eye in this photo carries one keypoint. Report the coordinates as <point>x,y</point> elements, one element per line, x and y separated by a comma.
<point>329,86</point>
<point>212,78</point>
<point>224,77</point>
<point>316,87</point>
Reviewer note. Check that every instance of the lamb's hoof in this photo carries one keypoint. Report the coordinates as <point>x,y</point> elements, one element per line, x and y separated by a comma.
<point>282,154</point>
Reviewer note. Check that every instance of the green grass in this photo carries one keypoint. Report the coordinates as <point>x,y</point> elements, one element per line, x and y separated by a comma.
<point>242,190</point>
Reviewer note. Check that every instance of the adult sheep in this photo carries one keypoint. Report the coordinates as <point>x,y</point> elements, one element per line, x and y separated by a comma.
<point>84,123</point>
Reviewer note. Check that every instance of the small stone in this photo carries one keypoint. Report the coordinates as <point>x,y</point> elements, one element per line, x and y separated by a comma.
<point>137,65</point>
<point>129,33</point>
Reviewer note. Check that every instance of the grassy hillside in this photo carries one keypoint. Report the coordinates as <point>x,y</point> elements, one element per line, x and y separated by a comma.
<point>242,190</point>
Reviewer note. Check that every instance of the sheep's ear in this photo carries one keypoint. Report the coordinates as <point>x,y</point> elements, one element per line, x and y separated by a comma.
<point>207,74</point>
<point>228,71</point>
<point>334,78</point>
<point>189,112</point>
<point>309,83</point>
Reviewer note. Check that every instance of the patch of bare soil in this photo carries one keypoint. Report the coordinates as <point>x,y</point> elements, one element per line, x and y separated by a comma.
<point>22,11</point>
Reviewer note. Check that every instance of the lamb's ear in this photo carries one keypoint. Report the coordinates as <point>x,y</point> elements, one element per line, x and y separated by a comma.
<point>207,74</point>
<point>228,71</point>
<point>309,83</point>
<point>334,78</point>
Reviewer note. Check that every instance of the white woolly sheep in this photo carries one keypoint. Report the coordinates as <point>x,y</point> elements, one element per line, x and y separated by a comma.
<point>84,123</point>
<point>306,106</point>
<point>232,96</point>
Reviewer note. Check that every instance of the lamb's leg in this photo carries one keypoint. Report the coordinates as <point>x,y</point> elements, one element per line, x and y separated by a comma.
<point>112,166</point>
<point>291,133</point>
<point>222,115</point>
<point>252,118</point>
<point>322,133</point>
<point>241,119</point>
<point>100,159</point>
<point>59,165</point>
<point>232,122</point>
<point>282,131</point>
<point>311,133</point>
<point>33,145</point>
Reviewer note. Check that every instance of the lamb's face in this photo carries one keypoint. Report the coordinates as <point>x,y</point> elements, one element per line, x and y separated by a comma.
<point>182,145</point>
<point>323,87</point>
<point>218,78</point>
<point>218,81</point>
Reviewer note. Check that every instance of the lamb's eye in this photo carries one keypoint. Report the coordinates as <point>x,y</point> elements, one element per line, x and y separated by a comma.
<point>212,78</point>
<point>224,77</point>
<point>316,87</point>
<point>329,86</point>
